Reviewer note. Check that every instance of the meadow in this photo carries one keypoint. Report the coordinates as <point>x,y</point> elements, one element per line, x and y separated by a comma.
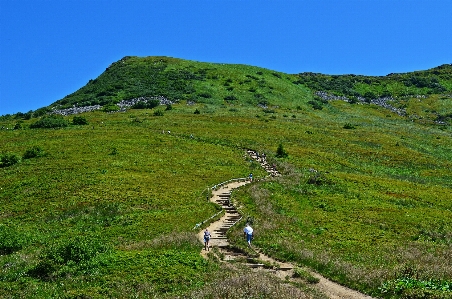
<point>107,209</point>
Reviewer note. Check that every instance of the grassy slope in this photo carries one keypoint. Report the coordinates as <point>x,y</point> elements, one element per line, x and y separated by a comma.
<point>383,188</point>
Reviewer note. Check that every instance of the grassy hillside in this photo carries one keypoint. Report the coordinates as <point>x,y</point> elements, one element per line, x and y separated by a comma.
<point>107,209</point>
<point>177,79</point>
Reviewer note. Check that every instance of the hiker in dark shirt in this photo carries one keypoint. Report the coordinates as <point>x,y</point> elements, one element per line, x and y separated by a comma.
<point>206,239</point>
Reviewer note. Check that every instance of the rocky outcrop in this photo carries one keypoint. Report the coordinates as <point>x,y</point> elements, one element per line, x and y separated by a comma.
<point>75,110</point>
<point>382,102</point>
<point>131,102</point>
<point>123,105</point>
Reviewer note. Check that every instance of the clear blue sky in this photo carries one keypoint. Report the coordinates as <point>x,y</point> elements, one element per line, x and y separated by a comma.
<point>51,48</point>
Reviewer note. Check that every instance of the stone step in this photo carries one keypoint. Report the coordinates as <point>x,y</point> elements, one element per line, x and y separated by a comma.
<point>228,208</point>
<point>285,268</point>
<point>222,229</point>
<point>235,253</point>
<point>254,265</point>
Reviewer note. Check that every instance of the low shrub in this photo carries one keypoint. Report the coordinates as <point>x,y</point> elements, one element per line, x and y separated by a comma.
<point>281,152</point>
<point>158,113</point>
<point>417,289</point>
<point>349,126</point>
<point>205,95</point>
<point>114,151</point>
<point>197,111</point>
<point>51,121</point>
<point>146,105</point>
<point>111,108</point>
<point>10,240</point>
<point>318,179</point>
<point>230,98</point>
<point>69,256</point>
<point>79,121</point>
<point>316,105</point>
<point>33,152</point>
<point>9,160</point>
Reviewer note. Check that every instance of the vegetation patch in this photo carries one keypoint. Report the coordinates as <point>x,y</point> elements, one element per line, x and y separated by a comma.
<point>7,160</point>
<point>79,121</point>
<point>70,257</point>
<point>50,121</point>
<point>10,240</point>
<point>34,152</point>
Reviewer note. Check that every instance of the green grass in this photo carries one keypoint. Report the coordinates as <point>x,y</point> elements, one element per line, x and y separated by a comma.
<point>358,205</point>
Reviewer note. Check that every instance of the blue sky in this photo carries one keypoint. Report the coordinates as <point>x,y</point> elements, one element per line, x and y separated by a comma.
<point>51,48</point>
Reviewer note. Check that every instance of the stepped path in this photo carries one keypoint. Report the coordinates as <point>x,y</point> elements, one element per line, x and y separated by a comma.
<point>221,194</point>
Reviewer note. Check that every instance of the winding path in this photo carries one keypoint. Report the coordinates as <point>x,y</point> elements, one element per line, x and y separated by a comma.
<point>221,195</point>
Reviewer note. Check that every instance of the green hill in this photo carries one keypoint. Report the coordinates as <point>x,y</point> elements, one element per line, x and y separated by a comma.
<point>102,205</point>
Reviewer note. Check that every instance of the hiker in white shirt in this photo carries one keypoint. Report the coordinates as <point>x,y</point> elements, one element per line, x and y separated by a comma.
<point>248,233</point>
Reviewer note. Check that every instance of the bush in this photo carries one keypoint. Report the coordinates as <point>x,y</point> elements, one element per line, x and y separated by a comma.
<point>158,113</point>
<point>10,240</point>
<point>18,126</point>
<point>316,105</point>
<point>78,250</point>
<point>51,121</point>
<point>79,120</point>
<point>369,95</point>
<point>111,108</point>
<point>230,98</point>
<point>349,126</point>
<point>41,111</point>
<point>9,160</point>
<point>69,256</point>
<point>281,152</point>
<point>205,95</point>
<point>146,105</point>
<point>168,107</point>
<point>33,152</point>
<point>197,111</point>
<point>114,151</point>
<point>318,179</point>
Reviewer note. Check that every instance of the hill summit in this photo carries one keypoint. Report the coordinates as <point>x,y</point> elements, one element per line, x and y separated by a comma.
<point>134,79</point>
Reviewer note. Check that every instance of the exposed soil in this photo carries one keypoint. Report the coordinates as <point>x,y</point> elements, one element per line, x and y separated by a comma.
<point>221,195</point>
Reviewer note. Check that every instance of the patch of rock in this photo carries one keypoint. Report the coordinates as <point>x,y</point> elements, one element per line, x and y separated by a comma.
<point>75,110</point>
<point>123,105</point>
<point>382,102</point>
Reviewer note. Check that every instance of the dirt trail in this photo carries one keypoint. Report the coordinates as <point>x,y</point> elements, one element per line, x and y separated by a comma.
<point>221,195</point>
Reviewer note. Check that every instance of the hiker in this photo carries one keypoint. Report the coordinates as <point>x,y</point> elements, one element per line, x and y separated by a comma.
<point>251,177</point>
<point>248,233</point>
<point>206,239</point>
